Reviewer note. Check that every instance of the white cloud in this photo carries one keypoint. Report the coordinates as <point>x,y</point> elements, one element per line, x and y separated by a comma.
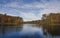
<point>29,16</point>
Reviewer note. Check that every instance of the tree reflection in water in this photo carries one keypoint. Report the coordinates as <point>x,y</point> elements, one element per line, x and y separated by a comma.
<point>27,32</point>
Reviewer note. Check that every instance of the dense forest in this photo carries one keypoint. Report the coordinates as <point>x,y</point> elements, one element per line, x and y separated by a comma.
<point>6,19</point>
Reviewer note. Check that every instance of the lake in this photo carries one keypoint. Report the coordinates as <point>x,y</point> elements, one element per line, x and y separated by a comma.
<point>27,31</point>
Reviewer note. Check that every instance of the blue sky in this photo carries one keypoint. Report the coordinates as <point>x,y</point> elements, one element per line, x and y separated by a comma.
<point>29,9</point>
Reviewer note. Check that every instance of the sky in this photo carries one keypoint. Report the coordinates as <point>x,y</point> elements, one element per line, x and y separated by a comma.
<point>29,9</point>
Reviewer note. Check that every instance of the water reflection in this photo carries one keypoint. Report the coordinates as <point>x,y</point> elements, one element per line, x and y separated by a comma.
<point>28,31</point>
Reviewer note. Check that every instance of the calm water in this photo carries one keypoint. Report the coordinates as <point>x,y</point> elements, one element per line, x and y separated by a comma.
<point>28,31</point>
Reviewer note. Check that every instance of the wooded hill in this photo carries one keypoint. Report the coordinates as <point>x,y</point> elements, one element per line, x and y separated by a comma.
<point>6,19</point>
